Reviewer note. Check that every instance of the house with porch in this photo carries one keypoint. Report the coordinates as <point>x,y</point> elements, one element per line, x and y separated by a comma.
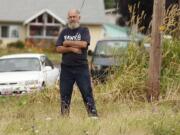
<point>32,20</point>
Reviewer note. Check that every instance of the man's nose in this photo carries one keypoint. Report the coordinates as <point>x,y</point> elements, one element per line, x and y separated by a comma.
<point>73,19</point>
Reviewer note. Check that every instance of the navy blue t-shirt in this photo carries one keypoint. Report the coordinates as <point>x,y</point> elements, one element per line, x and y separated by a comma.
<point>79,34</point>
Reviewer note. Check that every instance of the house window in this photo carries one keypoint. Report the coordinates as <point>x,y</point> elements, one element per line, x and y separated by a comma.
<point>52,30</point>
<point>56,21</point>
<point>4,31</point>
<point>40,19</point>
<point>44,26</point>
<point>36,30</point>
<point>49,19</point>
<point>14,33</point>
<point>11,31</point>
<point>33,21</point>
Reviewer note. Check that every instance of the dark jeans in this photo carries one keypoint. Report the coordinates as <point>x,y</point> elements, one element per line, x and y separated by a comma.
<point>79,74</point>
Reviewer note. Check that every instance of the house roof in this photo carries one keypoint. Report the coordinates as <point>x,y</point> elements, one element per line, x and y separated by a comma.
<point>23,10</point>
<point>45,11</point>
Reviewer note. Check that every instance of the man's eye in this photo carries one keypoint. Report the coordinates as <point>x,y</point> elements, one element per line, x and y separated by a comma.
<point>72,17</point>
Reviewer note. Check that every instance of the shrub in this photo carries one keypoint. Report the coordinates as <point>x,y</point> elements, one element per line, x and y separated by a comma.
<point>18,44</point>
<point>170,73</point>
<point>129,81</point>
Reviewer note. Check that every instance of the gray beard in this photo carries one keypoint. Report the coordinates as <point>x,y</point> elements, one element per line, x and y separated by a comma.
<point>73,25</point>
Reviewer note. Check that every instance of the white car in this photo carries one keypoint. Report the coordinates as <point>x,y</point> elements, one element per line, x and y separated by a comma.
<point>24,73</point>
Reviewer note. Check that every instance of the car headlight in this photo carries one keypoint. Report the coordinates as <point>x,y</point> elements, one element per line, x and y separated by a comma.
<point>97,67</point>
<point>31,82</point>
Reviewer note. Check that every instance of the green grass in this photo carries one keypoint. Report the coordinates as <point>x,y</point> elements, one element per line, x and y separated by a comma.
<point>121,103</point>
<point>38,114</point>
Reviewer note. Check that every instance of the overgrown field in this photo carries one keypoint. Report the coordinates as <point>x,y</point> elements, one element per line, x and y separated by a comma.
<point>38,114</point>
<point>121,103</point>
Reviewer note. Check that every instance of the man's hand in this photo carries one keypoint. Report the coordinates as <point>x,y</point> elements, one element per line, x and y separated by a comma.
<point>76,50</point>
<point>62,49</point>
<point>75,44</point>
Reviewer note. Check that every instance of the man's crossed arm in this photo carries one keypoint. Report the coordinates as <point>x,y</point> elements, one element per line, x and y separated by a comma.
<point>72,46</point>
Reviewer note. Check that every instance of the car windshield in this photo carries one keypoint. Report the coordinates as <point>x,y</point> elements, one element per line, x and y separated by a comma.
<point>111,48</point>
<point>19,64</point>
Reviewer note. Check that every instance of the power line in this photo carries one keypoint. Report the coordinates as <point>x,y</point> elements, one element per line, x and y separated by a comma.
<point>82,5</point>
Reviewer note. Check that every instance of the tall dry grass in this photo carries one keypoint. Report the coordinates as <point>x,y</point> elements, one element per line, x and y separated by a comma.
<point>129,81</point>
<point>171,21</point>
<point>38,114</point>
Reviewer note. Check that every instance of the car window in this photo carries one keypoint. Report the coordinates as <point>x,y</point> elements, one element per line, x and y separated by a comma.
<point>110,48</point>
<point>19,64</point>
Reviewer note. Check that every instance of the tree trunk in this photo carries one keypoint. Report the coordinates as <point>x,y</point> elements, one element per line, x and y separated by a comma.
<point>153,88</point>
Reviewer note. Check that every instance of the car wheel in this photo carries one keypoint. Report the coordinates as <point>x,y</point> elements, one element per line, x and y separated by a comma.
<point>43,86</point>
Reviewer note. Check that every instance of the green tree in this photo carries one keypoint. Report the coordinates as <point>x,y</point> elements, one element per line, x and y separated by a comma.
<point>110,4</point>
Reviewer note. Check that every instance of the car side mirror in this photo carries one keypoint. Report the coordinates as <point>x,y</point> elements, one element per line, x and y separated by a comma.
<point>90,52</point>
<point>48,68</point>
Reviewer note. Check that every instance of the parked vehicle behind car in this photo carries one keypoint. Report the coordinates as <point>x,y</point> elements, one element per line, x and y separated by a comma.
<point>108,54</point>
<point>24,73</point>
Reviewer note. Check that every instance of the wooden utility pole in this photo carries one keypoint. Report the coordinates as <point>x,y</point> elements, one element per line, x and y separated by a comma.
<point>179,9</point>
<point>153,88</point>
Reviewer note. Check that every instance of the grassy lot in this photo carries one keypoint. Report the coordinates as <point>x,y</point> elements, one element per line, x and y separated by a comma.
<point>121,103</point>
<point>38,114</point>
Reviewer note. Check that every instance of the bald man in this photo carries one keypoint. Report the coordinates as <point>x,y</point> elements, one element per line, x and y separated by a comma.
<point>73,44</point>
